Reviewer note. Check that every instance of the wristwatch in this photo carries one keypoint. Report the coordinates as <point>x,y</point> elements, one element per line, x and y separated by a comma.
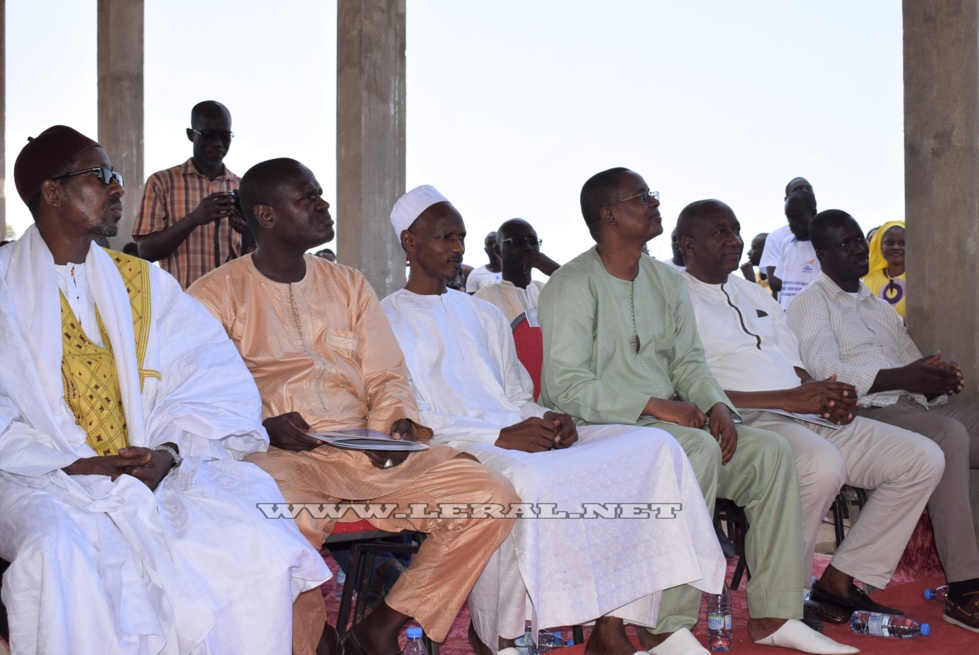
<point>177,459</point>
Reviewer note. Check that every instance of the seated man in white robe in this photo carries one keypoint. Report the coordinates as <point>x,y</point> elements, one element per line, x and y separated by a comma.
<point>128,522</point>
<point>755,357</point>
<point>474,393</point>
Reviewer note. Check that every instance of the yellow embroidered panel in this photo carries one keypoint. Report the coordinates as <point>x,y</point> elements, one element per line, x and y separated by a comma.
<point>91,384</point>
<point>136,276</point>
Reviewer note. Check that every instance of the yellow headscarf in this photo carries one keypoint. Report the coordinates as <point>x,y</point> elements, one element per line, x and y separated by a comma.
<point>877,261</point>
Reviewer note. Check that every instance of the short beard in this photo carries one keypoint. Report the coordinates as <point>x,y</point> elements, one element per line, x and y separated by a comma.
<point>105,229</point>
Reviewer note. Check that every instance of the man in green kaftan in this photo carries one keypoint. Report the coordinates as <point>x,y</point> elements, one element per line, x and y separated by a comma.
<point>621,346</point>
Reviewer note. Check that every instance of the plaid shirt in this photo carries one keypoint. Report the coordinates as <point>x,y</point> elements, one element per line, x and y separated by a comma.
<point>172,194</point>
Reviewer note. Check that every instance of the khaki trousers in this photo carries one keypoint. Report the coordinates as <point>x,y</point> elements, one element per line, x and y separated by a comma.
<point>901,467</point>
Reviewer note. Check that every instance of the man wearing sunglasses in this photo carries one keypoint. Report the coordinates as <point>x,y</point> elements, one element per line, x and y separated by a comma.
<point>621,346</point>
<point>125,516</point>
<point>188,219</point>
<point>519,250</point>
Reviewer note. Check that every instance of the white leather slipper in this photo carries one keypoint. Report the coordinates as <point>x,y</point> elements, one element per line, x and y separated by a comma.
<point>797,635</point>
<point>681,642</point>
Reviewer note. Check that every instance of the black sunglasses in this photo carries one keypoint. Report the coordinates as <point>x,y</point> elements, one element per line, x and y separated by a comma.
<point>105,175</point>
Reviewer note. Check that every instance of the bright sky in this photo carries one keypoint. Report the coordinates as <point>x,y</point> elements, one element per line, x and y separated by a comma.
<point>512,104</point>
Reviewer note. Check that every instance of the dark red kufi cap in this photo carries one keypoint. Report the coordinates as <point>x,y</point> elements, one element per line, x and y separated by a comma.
<point>45,155</point>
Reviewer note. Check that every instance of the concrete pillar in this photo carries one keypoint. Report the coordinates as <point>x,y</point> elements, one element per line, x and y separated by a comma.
<point>3,119</point>
<point>370,137</point>
<point>120,77</point>
<point>941,171</point>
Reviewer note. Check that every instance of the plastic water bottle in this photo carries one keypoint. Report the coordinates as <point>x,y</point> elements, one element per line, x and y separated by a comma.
<point>719,624</point>
<point>887,625</point>
<point>414,645</point>
<point>526,645</point>
<point>547,640</point>
<point>338,588</point>
<point>938,593</point>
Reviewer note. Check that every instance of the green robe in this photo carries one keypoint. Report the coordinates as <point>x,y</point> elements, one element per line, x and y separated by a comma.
<point>591,369</point>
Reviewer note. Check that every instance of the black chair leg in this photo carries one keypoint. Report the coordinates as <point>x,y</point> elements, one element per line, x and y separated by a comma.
<point>4,626</point>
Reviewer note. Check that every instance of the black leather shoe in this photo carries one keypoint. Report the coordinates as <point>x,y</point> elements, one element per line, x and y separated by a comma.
<point>825,611</point>
<point>855,600</point>
<point>811,618</point>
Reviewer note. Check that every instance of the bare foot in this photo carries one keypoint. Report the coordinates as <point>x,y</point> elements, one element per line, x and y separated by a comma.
<point>608,638</point>
<point>475,643</point>
<point>378,632</point>
<point>650,640</point>
<point>761,628</point>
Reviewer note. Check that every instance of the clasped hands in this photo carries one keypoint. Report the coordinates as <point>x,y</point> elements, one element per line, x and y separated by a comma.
<point>288,432</point>
<point>933,377</point>
<point>148,466</point>
<point>535,435</point>
<point>834,401</point>
<point>683,412</point>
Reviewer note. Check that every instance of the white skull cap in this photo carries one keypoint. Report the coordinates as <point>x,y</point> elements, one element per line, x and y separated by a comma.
<point>411,205</point>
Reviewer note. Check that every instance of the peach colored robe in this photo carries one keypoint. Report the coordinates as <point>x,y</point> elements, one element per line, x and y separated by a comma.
<point>324,348</point>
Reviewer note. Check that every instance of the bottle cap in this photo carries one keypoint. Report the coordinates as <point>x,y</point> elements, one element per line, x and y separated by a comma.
<point>929,594</point>
<point>925,629</point>
<point>414,632</point>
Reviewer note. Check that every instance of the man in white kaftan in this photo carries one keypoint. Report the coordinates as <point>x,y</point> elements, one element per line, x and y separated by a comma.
<point>474,393</point>
<point>153,556</point>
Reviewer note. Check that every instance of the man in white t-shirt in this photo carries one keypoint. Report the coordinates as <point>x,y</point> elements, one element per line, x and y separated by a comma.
<point>487,273</point>
<point>798,265</point>
<point>677,261</point>
<point>776,240</point>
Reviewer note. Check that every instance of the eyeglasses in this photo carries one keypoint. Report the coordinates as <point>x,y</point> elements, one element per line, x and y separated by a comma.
<point>853,242</point>
<point>523,241</point>
<point>220,135</point>
<point>645,197</point>
<point>106,175</point>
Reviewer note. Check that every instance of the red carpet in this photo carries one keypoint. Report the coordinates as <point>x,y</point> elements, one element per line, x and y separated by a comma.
<point>919,569</point>
<point>945,639</point>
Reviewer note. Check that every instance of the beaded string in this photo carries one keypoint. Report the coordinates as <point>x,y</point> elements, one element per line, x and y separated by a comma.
<point>635,331</point>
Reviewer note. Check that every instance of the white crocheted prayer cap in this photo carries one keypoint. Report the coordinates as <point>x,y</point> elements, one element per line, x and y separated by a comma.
<point>411,205</point>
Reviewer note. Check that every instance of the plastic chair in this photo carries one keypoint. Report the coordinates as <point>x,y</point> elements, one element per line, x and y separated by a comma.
<point>529,341</point>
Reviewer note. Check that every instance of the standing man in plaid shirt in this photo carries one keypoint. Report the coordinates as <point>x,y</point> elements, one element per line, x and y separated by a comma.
<point>188,220</point>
